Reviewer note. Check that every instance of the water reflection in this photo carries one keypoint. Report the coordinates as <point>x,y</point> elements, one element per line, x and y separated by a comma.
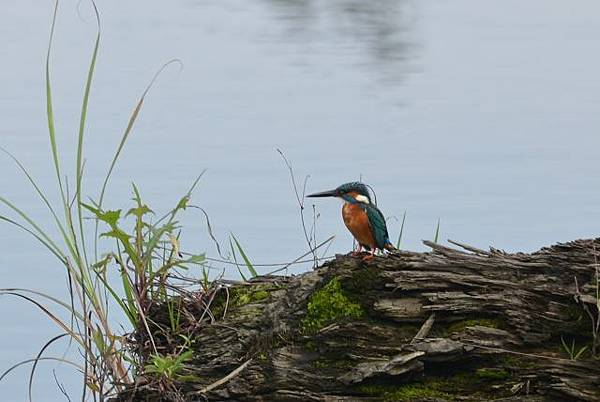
<point>378,35</point>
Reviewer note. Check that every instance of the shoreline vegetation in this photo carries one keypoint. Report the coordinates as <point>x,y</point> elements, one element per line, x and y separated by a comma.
<point>121,264</point>
<point>407,326</point>
<point>117,264</point>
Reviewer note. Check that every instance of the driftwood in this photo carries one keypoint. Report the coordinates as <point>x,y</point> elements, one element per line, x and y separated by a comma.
<point>450,324</point>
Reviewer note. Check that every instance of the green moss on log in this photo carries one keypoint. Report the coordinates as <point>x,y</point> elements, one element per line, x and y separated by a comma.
<point>480,385</point>
<point>406,392</point>
<point>492,373</point>
<point>245,297</point>
<point>327,305</point>
<point>517,362</point>
<point>240,296</point>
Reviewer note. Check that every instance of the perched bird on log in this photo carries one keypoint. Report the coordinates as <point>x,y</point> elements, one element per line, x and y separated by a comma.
<point>362,217</point>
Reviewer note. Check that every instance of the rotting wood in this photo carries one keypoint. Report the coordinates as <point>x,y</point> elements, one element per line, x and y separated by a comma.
<point>499,319</point>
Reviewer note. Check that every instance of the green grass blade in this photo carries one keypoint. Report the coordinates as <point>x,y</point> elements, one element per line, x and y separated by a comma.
<point>157,233</point>
<point>128,289</point>
<point>38,233</point>
<point>581,351</point>
<point>154,241</point>
<point>37,359</point>
<point>209,229</point>
<point>27,361</point>
<point>130,123</point>
<point>57,253</point>
<point>132,118</point>
<point>52,317</point>
<point>42,196</point>
<point>51,127</point>
<point>289,264</point>
<point>437,232</point>
<point>401,231</point>
<point>249,265</point>
<point>49,108</point>
<point>129,311</point>
<point>183,202</point>
<point>233,254</point>
<point>44,296</point>
<point>82,119</point>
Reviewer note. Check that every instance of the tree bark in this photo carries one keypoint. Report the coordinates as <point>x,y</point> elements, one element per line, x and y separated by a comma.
<point>449,324</point>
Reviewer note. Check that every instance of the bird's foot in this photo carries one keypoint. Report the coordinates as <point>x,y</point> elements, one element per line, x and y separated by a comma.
<point>357,253</point>
<point>367,257</point>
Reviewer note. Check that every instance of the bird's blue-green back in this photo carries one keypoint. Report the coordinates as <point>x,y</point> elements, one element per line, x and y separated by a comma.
<point>378,226</point>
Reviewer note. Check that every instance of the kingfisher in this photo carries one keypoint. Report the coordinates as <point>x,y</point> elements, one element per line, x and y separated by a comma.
<point>362,217</point>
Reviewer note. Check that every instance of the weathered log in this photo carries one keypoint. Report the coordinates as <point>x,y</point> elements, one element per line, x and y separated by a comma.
<point>448,324</point>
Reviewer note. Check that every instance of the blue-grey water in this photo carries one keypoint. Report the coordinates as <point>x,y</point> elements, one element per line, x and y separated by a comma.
<point>485,115</point>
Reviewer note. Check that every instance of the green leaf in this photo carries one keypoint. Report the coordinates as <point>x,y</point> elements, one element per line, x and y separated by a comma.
<point>110,217</point>
<point>157,234</point>
<point>117,234</point>
<point>196,259</point>
<point>245,258</point>
<point>183,202</point>
<point>185,356</point>
<point>100,266</point>
<point>128,289</point>
<point>139,211</point>
<point>99,340</point>
<point>583,349</point>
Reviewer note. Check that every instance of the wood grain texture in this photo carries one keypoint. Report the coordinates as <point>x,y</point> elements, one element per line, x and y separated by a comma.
<point>489,326</point>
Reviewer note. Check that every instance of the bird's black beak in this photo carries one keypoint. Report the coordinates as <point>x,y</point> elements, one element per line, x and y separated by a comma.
<point>330,193</point>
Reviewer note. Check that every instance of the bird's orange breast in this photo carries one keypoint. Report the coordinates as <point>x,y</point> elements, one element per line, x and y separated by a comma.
<point>357,222</point>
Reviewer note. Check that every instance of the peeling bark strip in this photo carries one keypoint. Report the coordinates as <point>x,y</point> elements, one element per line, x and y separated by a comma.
<point>444,325</point>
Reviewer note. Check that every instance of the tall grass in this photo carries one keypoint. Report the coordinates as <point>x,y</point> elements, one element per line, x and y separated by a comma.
<point>145,254</point>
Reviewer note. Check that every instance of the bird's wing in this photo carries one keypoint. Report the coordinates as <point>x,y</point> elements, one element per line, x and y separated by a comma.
<point>377,221</point>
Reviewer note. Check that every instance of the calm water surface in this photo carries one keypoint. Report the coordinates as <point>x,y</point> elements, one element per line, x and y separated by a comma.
<point>483,114</point>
